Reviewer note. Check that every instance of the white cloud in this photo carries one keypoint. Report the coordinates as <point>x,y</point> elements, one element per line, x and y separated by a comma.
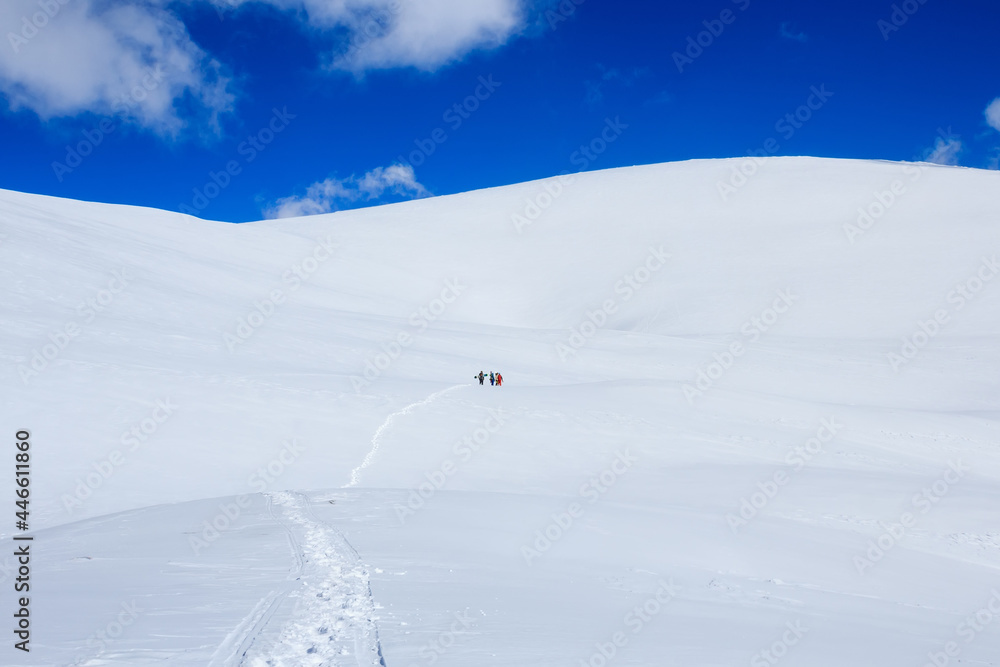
<point>425,34</point>
<point>382,34</point>
<point>789,32</point>
<point>324,196</point>
<point>66,57</point>
<point>993,114</point>
<point>61,58</point>
<point>398,177</point>
<point>945,151</point>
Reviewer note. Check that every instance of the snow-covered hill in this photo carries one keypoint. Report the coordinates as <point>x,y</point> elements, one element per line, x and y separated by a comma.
<point>745,419</point>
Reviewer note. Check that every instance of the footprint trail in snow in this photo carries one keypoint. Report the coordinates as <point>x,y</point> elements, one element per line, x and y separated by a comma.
<point>356,473</point>
<point>334,621</point>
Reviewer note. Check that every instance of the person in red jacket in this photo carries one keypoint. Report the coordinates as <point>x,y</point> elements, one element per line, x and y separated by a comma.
<point>499,379</point>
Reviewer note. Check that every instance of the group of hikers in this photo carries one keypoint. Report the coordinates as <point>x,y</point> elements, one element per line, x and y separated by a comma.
<point>495,379</point>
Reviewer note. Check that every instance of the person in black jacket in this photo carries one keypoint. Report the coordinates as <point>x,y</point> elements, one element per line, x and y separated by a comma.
<point>481,377</point>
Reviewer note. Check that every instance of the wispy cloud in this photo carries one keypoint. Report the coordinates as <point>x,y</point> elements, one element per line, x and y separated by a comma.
<point>134,60</point>
<point>946,150</point>
<point>662,97</point>
<point>328,195</point>
<point>788,31</point>
<point>993,114</point>
<point>595,88</point>
<point>383,34</point>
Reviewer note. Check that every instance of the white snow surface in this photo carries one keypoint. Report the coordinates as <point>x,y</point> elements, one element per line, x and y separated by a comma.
<point>215,480</point>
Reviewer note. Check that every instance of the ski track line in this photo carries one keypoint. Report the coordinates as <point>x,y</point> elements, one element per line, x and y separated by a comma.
<point>233,649</point>
<point>334,617</point>
<point>235,643</point>
<point>356,473</point>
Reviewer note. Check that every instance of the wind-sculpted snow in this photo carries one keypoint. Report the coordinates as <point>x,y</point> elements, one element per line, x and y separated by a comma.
<point>802,375</point>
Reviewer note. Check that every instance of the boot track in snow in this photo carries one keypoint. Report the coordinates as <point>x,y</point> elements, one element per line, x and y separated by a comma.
<point>333,622</point>
<point>356,473</point>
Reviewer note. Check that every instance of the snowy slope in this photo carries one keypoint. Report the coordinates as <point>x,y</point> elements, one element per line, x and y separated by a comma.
<point>708,406</point>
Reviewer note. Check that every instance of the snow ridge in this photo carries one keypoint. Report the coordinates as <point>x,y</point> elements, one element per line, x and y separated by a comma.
<point>356,473</point>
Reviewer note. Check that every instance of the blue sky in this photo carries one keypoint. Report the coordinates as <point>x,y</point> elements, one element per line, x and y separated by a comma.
<point>240,109</point>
